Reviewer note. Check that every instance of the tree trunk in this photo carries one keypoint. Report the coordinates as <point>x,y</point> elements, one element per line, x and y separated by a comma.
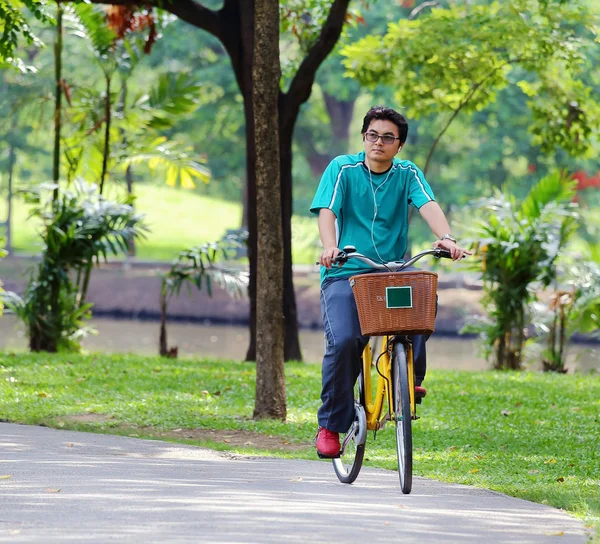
<point>266,72</point>
<point>129,181</point>
<point>242,57</point>
<point>39,339</point>
<point>12,158</point>
<point>500,353</point>
<point>128,170</point>
<point>43,324</point>
<point>244,194</point>
<point>162,341</point>
<point>58,48</point>
<point>317,161</point>
<point>340,114</point>
<point>292,350</point>
<point>252,221</point>
<point>107,120</point>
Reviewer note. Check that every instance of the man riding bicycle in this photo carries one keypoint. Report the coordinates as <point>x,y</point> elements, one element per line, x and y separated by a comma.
<point>362,200</point>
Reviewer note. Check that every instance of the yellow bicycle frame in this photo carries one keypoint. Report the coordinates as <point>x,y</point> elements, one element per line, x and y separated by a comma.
<point>374,403</point>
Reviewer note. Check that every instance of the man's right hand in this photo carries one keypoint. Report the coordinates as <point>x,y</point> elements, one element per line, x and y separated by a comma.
<point>329,253</point>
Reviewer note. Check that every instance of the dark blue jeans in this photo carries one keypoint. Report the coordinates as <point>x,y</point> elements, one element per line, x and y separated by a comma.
<point>344,345</point>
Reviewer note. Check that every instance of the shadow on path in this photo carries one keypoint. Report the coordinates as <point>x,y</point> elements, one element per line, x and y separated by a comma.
<point>77,487</point>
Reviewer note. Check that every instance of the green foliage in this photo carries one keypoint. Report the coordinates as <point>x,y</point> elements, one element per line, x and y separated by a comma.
<point>585,278</point>
<point>14,26</point>
<point>216,128</point>
<point>79,228</point>
<point>170,157</point>
<point>88,22</point>
<point>301,24</point>
<point>82,226</point>
<point>517,246</point>
<point>173,95</point>
<point>456,59</point>
<point>136,123</point>
<point>196,266</point>
<point>573,307</point>
<point>199,264</point>
<point>565,114</point>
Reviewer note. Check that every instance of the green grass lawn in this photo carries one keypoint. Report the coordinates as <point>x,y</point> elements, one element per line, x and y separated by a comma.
<point>178,219</point>
<point>529,435</point>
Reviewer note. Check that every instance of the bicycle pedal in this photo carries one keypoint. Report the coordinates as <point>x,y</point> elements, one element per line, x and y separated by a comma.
<point>322,456</point>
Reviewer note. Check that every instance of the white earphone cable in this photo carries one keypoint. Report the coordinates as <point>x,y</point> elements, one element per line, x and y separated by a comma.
<point>375,204</point>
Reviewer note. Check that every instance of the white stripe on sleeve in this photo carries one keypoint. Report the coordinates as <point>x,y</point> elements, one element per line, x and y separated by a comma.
<point>414,171</point>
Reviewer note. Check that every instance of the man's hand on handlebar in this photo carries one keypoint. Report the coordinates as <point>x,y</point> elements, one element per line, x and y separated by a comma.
<point>455,250</point>
<point>326,258</point>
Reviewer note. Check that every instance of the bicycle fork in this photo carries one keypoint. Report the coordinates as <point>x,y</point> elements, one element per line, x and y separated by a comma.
<point>411,380</point>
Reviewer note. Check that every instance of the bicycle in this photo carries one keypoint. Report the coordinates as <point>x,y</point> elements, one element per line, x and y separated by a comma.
<point>394,365</point>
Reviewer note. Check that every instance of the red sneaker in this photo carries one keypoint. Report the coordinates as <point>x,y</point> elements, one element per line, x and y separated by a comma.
<point>328,443</point>
<point>420,391</point>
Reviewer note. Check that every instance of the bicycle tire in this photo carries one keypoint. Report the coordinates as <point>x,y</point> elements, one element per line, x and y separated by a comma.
<point>403,418</point>
<point>348,465</point>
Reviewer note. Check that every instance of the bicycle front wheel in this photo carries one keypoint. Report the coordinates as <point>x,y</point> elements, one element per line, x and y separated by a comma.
<point>348,464</point>
<point>403,417</point>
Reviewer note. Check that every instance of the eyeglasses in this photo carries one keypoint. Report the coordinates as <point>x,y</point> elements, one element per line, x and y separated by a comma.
<point>387,139</point>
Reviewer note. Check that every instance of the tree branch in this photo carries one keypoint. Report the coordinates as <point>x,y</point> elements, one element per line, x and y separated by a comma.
<point>302,83</point>
<point>415,12</point>
<point>187,10</point>
<point>463,103</point>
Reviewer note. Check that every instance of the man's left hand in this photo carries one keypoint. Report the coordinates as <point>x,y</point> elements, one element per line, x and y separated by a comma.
<point>455,250</point>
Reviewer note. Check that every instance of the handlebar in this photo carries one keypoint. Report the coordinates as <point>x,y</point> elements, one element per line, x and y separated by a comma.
<point>349,252</point>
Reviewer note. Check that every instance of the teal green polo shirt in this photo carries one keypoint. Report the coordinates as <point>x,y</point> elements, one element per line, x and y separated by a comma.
<point>371,210</point>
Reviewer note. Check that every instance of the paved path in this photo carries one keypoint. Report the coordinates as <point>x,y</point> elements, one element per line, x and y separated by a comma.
<point>80,487</point>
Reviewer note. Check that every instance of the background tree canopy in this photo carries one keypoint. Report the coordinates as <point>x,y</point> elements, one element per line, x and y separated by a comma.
<point>534,82</point>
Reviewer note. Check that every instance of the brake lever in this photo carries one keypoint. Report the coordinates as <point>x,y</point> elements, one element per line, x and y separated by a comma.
<point>341,258</point>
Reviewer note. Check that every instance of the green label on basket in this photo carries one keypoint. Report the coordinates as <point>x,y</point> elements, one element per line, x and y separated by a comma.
<point>398,297</point>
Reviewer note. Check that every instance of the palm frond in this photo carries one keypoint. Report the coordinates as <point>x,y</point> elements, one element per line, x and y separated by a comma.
<point>198,265</point>
<point>555,187</point>
<point>88,22</point>
<point>173,159</point>
<point>173,95</point>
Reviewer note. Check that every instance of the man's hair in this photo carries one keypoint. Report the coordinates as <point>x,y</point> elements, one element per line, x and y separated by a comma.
<point>382,113</point>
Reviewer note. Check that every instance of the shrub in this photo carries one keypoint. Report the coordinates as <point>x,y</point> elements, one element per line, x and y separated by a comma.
<point>517,245</point>
<point>78,227</point>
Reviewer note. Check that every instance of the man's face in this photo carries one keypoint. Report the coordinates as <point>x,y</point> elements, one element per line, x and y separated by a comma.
<point>378,151</point>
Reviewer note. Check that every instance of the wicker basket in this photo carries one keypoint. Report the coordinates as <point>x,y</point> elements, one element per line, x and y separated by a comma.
<point>395,302</point>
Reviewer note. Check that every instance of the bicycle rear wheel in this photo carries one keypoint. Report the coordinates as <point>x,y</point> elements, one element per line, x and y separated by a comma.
<point>348,464</point>
<point>403,417</point>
